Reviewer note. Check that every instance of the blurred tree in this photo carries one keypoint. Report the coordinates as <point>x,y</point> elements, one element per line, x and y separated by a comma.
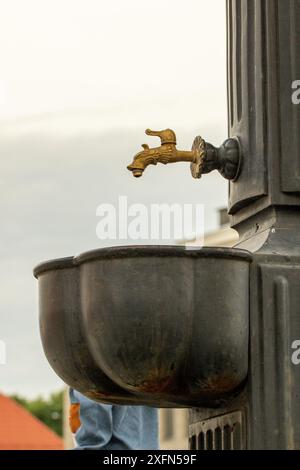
<point>49,411</point>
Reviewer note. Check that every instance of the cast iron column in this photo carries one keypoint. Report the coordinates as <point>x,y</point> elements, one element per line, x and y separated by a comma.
<point>263,64</point>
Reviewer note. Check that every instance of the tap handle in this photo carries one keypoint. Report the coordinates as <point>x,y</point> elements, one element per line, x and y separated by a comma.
<point>166,136</point>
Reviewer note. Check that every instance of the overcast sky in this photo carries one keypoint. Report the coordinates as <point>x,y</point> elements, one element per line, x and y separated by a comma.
<point>80,82</point>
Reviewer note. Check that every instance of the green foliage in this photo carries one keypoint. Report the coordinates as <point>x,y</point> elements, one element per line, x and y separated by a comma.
<point>49,411</point>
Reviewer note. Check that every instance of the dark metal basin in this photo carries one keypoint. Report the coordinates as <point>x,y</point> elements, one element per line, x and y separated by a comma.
<point>164,326</point>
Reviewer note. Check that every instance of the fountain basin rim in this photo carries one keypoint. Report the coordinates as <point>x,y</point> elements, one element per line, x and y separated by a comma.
<point>139,251</point>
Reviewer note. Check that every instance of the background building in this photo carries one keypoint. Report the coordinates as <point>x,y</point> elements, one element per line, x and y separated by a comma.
<point>19,430</point>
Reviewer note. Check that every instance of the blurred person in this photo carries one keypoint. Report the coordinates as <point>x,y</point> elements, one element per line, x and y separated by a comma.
<point>112,427</point>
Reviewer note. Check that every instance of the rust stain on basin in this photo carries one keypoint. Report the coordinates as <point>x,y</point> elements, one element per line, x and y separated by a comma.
<point>217,384</point>
<point>157,382</point>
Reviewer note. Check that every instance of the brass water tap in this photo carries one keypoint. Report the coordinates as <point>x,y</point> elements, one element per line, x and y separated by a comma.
<point>203,157</point>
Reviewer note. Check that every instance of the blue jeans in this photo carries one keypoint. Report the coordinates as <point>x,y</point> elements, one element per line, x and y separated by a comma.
<point>112,427</point>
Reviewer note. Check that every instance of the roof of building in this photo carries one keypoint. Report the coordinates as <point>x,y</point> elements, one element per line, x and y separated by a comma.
<point>20,430</point>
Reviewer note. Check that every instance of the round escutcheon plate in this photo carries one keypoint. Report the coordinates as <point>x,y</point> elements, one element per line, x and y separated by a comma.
<point>199,149</point>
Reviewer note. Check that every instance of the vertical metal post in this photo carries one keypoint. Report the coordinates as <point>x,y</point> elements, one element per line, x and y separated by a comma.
<point>263,65</point>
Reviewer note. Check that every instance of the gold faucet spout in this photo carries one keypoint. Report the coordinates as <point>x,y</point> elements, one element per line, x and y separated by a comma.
<point>166,153</point>
<point>203,157</point>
